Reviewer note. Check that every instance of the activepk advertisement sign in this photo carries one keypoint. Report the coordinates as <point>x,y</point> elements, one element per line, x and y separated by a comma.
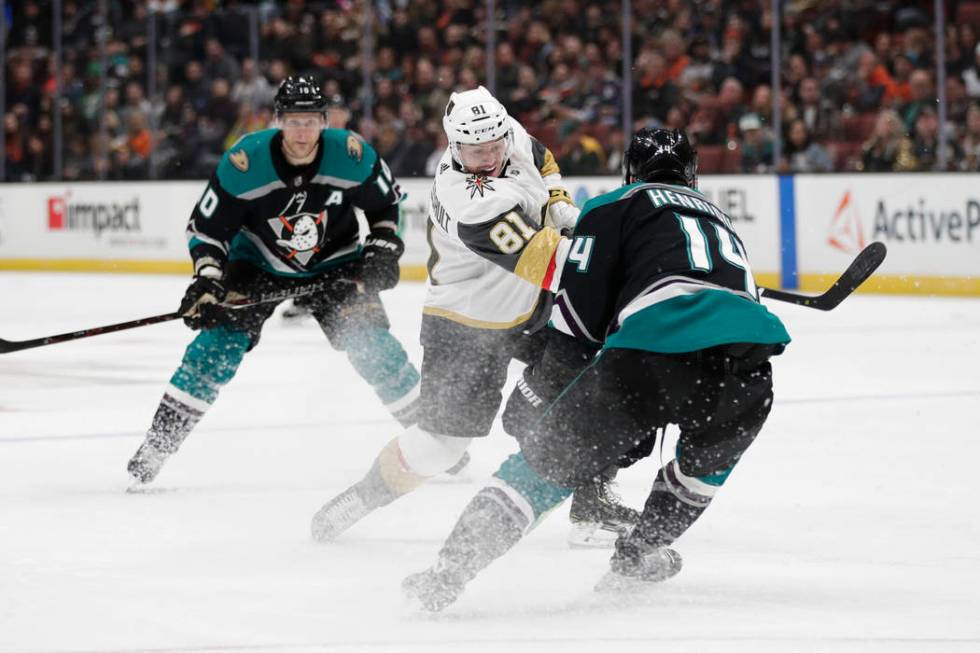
<point>930,223</point>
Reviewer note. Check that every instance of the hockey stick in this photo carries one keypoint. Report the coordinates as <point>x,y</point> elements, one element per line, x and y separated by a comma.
<point>7,346</point>
<point>863,265</point>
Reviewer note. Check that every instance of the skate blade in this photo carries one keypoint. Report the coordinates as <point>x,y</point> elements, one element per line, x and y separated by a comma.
<point>143,488</point>
<point>590,535</point>
<point>337,516</point>
<point>614,583</point>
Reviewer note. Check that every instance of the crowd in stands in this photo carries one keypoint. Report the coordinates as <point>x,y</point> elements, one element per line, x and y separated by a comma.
<point>858,80</point>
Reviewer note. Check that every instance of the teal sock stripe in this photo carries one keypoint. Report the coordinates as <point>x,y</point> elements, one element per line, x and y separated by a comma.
<point>541,494</point>
<point>210,362</point>
<point>717,479</point>
<point>381,361</point>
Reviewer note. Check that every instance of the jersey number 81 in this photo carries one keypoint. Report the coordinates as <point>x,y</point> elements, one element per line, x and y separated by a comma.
<point>511,233</point>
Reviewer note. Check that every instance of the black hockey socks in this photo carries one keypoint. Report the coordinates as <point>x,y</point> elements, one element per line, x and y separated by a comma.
<point>675,502</point>
<point>172,423</point>
<point>490,525</point>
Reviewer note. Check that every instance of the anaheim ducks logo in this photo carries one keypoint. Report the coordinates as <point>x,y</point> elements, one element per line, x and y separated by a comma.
<point>299,232</point>
<point>355,149</point>
<point>478,184</point>
<point>239,159</point>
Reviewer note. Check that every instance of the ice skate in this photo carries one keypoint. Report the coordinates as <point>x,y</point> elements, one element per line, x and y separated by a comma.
<point>638,565</point>
<point>432,590</point>
<point>339,514</point>
<point>598,515</point>
<point>146,463</point>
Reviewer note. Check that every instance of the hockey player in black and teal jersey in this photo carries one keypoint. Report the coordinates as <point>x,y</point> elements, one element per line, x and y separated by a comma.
<point>657,321</point>
<point>279,212</point>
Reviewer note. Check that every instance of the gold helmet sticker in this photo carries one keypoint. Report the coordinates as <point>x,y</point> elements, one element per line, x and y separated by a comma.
<point>239,159</point>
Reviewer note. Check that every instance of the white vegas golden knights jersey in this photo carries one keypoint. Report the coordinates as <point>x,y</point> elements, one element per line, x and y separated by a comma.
<point>491,252</point>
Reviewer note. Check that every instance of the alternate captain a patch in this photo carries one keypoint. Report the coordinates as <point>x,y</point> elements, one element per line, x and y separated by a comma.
<point>239,159</point>
<point>355,149</point>
<point>478,184</point>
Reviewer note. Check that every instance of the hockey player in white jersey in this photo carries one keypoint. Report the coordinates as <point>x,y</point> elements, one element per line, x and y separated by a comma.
<point>496,212</point>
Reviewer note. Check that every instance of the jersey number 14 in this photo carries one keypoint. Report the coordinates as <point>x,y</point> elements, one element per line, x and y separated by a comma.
<point>729,249</point>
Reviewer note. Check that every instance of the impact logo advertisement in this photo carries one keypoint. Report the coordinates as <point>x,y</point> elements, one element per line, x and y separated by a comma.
<point>95,217</point>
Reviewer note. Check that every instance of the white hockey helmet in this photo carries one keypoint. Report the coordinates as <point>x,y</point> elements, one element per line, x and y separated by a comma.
<point>473,118</point>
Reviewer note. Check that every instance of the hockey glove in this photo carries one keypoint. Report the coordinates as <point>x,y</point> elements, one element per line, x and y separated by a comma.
<point>562,212</point>
<point>564,358</point>
<point>379,270</point>
<point>200,298</point>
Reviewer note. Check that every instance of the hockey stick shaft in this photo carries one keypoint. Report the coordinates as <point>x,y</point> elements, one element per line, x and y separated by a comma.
<point>862,267</point>
<point>8,346</point>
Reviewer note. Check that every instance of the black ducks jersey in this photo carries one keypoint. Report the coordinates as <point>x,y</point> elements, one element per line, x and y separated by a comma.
<point>292,220</point>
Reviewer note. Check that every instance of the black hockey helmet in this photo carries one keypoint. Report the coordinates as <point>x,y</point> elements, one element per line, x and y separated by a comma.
<point>661,155</point>
<point>299,94</point>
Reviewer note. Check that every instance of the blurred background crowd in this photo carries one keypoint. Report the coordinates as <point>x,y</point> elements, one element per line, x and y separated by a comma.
<point>859,84</point>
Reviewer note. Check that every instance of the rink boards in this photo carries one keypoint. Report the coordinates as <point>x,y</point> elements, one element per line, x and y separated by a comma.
<point>800,231</point>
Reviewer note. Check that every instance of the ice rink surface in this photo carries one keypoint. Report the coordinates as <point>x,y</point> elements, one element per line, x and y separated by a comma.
<point>852,524</point>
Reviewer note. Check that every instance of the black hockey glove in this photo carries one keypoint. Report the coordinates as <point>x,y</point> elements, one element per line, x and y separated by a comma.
<point>197,307</point>
<point>564,358</point>
<point>379,268</point>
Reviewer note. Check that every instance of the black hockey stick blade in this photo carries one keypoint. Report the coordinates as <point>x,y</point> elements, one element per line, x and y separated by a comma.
<point>8,346</point>
<point>862,267</point>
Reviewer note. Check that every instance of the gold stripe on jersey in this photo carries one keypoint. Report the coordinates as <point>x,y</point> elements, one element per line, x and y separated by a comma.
<point>537,256</point>
<point>549,166</point>
<point>479,324</point>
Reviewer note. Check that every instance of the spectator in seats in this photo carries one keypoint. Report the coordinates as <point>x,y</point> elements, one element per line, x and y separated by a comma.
<point>252,87</point>
<point>696,78</point>
<point>507,68</point>
<point>901,74</point>
<point>957,104</point>
<point>726,113</point>
<point>616,146</point>
<point>756,145</point>
<point>971,76</point>
<point>821,118</point>
<point>221,109</point>
<point>525,102</point>
<point>136,102</point>
<point>139,139</point>
<point>888,149</point>
<point>653,92</point>
<point>582,155</point>
<point>871,84</point>
<point>801,153</point>
<point>673,47</point>
<point>796,70</point>
<point>218,63</point>
<point>921,94</point>
<point>15,148</point>
<point>925,144</point>
<point>196,86</point>
<point>971,140</point>
<point>432,161</point>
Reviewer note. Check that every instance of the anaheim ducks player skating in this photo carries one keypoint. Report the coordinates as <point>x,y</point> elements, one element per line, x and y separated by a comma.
<point>279,212</point>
